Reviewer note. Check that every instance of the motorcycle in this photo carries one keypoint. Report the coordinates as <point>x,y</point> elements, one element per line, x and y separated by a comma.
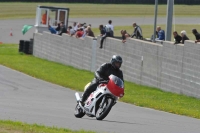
<point>100,102</point>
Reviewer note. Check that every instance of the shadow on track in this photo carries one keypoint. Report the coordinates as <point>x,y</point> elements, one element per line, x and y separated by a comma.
<point>115,121</point>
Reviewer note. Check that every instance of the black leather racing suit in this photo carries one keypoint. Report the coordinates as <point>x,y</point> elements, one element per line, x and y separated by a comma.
<point>102,73</point>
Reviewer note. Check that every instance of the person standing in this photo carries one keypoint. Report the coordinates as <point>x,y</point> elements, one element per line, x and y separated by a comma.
<point>110,29</point>
<point>137,32</point>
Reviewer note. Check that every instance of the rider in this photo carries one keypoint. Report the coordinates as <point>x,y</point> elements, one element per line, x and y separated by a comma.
<point>102,74</point>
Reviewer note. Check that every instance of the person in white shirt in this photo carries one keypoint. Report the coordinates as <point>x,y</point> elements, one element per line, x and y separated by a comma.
<point>110,26</point>
<point>75,26</point>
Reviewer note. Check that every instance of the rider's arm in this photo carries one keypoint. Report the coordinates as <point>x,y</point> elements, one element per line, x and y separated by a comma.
<point>99,74</point>
<point>121,76</point>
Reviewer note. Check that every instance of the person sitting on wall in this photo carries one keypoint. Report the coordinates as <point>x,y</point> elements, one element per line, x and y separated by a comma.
<point>70,31</point>
<point>161,33</point>
<point>177,37</point>
<point>184,36</point>
<point>125,35</point>
<point>75,26</point>
<point>58,27</point>
<point>62,28</point>
<point>102,34</point>
<point>197,35</point>
<point>79,33</point>
<point>89,32</point>
<point>52,30</point>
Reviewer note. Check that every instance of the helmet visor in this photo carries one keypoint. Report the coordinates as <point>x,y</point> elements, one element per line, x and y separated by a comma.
<point>117,64</point>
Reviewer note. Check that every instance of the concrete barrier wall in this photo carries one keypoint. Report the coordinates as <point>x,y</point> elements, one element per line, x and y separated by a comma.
<point>174,68</point>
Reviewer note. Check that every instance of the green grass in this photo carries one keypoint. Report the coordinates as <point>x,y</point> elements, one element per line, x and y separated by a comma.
<point>52,72</point>
<point>28,10</point>
<point>148,30</point>
<point>68,76</point>
<point>19,127</point>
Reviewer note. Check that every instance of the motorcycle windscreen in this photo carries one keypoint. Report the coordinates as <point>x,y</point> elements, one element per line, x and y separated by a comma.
<point>116,86</point>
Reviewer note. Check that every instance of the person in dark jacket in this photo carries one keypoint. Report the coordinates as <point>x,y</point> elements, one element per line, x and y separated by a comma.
<point>184,36</point>
<point>197,35</point>
<point>177,37</point>
<point>102,34</point>
<point>102,74</point>
<point>62,28</point>
<point>137,31</point>
<point>58,27</point>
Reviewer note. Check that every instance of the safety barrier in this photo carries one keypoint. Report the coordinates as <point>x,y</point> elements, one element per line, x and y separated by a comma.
<point>174,68</point>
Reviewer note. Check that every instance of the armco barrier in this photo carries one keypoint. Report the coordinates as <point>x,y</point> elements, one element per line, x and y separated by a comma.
<point>174,68</point>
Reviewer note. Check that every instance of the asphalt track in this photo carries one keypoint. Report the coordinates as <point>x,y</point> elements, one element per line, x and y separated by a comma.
<point>27,99</point>
<point>16,25</point>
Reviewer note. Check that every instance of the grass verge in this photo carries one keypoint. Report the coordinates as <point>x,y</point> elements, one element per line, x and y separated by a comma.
<point>27,10</point>
<point>19,127</point>
<point>68,76</point>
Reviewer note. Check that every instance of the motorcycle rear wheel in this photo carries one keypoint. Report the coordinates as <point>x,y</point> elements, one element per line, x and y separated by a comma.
<point>101,113</point>
<point>78,113</point>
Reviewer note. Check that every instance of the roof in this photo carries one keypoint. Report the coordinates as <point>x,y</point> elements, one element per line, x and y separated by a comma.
<point>50,7</point>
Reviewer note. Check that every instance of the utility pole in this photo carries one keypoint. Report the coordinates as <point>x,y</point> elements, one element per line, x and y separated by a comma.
<point>155,20</point>
<point>170,7</point>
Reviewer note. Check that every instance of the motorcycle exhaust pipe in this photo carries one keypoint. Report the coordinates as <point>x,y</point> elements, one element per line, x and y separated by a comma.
<point>77,97</point>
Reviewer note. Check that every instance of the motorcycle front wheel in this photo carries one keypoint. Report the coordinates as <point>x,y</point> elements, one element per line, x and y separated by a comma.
<point>103,111</point>
<point>78,113</point>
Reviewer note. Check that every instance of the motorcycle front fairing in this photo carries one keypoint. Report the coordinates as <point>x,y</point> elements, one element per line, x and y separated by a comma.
<point>91,103</point>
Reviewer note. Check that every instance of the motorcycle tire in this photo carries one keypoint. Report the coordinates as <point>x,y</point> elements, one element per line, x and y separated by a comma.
<point>101,114</point>
<point>78,113</point>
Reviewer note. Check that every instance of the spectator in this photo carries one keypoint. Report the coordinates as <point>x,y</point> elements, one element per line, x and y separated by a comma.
<point>52,30</point>
<point>62,28</point>
<point>44,17</point>
<point>177,37</point>
<point>79,33</point>
<point>58,27</point>
<point>197,35</point>
<point>161,33</point>
<point>137,31</point>
<point>89,32</point>
<point>84,27</point>
<point>102,30</point>
<point>184,36</point>
<point>102,34</point>
<point>70,31</point>
<point>109,29</point>
<point>125,35</point>
<point>75,26</point>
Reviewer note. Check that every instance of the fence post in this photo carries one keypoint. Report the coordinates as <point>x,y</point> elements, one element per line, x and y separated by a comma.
<point>94,46</point>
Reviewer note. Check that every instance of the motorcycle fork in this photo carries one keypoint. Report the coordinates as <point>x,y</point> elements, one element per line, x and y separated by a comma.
<point>81,107</point>
<point>102,102</point>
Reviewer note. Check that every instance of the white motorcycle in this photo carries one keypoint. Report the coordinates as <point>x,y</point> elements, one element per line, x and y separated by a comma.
<point>100,102</point>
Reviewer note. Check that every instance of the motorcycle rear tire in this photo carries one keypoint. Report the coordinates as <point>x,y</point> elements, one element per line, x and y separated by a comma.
<point>109,103</point>
<point>78,113</point>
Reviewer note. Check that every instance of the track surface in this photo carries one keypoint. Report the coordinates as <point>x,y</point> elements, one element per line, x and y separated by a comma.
<point>16,25</point>
<point>24,98</point>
